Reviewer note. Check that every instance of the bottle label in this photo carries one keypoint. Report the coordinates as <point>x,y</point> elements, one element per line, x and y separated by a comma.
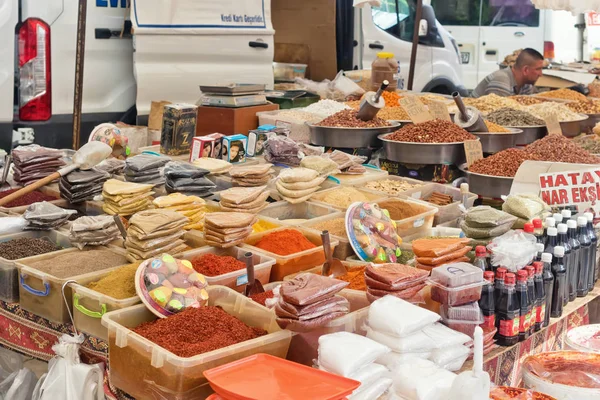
<point>489,321</point>
<point>540,313</point>
<point>524,323</point>
<point>509,327</point>
<point>531,316</point>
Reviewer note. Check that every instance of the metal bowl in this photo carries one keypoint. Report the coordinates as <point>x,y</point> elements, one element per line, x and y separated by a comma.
<point>423,153</point>
<point>574,128</point>
<point>493,142</point>
<point>588,124</point>
<point>348,137</point>
<point>487,185</point>
<point>530,134</point>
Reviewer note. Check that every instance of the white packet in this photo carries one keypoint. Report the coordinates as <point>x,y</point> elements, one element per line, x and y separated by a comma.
<point>451,358</point>
<point>422,380</point>
<point>372,391</point>
<point>397,317</point>
<point>392,359</point>
<point>431,337</point>
<point>345,353</point>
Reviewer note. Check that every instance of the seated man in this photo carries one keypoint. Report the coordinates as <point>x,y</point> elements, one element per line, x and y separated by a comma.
<point>518,79</point>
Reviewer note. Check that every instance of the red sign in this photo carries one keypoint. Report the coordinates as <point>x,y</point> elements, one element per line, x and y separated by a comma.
<point>592,19</point>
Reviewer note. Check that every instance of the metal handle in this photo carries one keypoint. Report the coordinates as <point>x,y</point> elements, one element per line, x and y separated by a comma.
<point>259,45</point>
<point>33,291</point>
<point>490,52</point>
<point>326,245</point>
<point>376,46</point>
<point>464,115</point>
<point>249,267</point>
<point>85,311</point>
<point>383,86</point>
<point>519,34</point>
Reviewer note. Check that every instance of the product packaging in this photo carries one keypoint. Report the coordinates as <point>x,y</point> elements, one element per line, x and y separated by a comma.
<point>202,147</point>
<point>178,128</point>
<point>234,148</point>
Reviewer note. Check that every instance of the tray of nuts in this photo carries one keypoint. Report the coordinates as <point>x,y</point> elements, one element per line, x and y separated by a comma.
<point>330,136</point>
<point>493,142</point>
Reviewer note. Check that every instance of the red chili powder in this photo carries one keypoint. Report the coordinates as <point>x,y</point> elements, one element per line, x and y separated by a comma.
<point>29,198</point>
<point>285,242</point>
<point>261,298</point>
<point>198,330</point>
<point>213,265</point>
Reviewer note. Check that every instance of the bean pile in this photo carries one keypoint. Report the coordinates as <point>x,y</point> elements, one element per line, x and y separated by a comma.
<point>435,131</point>
<point>585,107</point>
<point>511,117</point>
<point>27,199</point>
<point>348,119</point>
<point>26,247</point>
<point>504,163</point>
<point>526,100</point>
<point>564,94</point>
<point>557,148</point>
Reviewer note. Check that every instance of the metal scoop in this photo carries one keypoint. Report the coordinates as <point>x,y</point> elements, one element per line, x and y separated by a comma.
<point>372,103</point>
<point>468,118</point>
<point>87,157</point>
<point>332,266</point>
<point>253,286</point>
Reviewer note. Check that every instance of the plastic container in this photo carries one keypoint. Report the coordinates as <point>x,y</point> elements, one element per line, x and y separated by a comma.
<point>463,318</point>
<point>235,280</point>
<point>9,277</point>
<point>456,274</point>
<point>301,261</point>
<point>147,371</point>
<point>288,72</point>
<point>417,223</point>
<point>415,192</point>
<point>344,249</point>
<point>584,338</point>
<point>456,296</point>
<point>299,131</point>
<point>296,214</point>
<point>446,213</point>
<point>384,67</point>
<point>355,179</point>
<point>371,196</point>
<point>41,293</point>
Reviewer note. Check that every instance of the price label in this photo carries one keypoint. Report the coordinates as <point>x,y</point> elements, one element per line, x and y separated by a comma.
<point>439,110</point>
<point>415,109</point>
<point>473,151</point>
<point>553,125</point>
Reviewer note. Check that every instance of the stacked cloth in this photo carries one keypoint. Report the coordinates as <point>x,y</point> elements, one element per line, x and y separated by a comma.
<point>185,177</point>
<point>251,175</point>
<point>297,185</point>
<point>81,185</point>
<point>214,165</point>
<point>309,301</point>
<point>93,231</point>
<point>242,199</point>
<point>485,223</point>
<point>153,232</point>
<point>44,216</point>
<point>228,229</point>
<point>434,252</point>
<point>412,333</point>
<point>191,207</point>
<point>353,356</point>
<point>145,168</point>
<point>398,280</point>
<point>34,162</point>
<point>126,198</point>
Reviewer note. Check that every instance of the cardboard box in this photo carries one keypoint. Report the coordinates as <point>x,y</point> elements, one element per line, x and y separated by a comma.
<point>234,149</point>
<point>202,146</point>
<point>178,127</point>
<point>229,121</point>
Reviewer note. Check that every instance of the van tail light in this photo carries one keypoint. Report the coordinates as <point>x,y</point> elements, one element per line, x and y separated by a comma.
<point>35,91</point>
<point>549,50</point>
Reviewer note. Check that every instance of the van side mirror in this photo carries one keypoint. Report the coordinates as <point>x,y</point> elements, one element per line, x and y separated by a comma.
<point>423,28</point>
<point>428,30</point>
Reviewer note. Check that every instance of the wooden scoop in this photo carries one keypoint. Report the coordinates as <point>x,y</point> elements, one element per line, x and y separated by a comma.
<point>253,286</point>
<point>332,266</point>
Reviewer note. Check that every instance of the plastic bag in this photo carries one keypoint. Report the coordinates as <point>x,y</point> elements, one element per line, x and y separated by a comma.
<point>369,374</point>
<point>484,233</point>
<point>12,225</point>
<point>526,206</point>
<point>422,380</point>
<point>345,353</point>
<point>392,359</point>
<point>397,317</point>
<point>451,358</point>
<point>145,162</point>
<point>281,149</point>
<point>513,250</point>
<point>445,258</point>
<point>487,217</point>
<point>22,387</point>
<point>179,169</point>
<point>436,336</point>
<point>372,391</point>
<point>324,166</point>
<point>307,289</point>
<point>437,247</point>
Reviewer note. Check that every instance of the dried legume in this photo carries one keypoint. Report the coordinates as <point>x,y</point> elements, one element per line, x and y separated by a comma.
<point>512,117</point>
<point>349,119</point>
<point>391,186</point>
<point>27,199</point>
<point>585,107</point>
<point>526,100</point>
<point>490,103</point>
<point>26,247</point>
<point>495,128</point>
<point>564,94</point>
<point>557,148</point>
<point>435,131</point>
<point>504,163</point>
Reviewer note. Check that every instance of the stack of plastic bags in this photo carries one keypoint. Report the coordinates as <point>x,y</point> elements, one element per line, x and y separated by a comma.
<point>485,223</point>
<point>353,356</point>
<point>113,166</point>
<point>251,175</point>
<point>214,165</point>
<point>81,185</point>
<point>192,207</point>
<point>93,231</point>
<point>126,198</point>
<point>44,216</point>
<point>228,229</point>
<point>397,280</point>
<point>16,382</point>
<point>419,379</point>
<point>309,301</point>
<point>348,163</point>
<point>185,177</point>
<point>525,207</point>
<point>412,333</point>
<point>145,168</point>
<point>34,162</point>
<point>433,252</point>
<point>297,185</point>
<point>242,199</point>
<point>154,232</point>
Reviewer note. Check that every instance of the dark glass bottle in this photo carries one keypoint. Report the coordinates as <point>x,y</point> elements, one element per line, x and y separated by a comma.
<point>524,305</point>
<point>487,302</point>
<point>558,219</point>
<point>575,250</point>
<point>531,294</point>
<point>560,282</point>
<point>594,249</point>
<point>550,223</point>
<point>499,282</point>
<point>540,296</point>
<point>538,230</point>
<point>548,285</point>
<point>540,250</point>
<point>508,313</point>
<point>584,257</point>
<point>563,240</point>
<point>551,239</point>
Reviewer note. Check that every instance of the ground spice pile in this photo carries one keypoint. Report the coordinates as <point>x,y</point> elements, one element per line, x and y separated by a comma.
<point>197,331</point>
<point>213,265</point>
<point>342,197</point>
<point>355,277</point>
<point>285,242</point>
<point>399,209</point>
<point>77,263</point>
<point>118,284</point>
<point>336,227</point>
<point>435,131</point>
<point>261,298</point>
<point>26,247</point>
<point>25,200</point>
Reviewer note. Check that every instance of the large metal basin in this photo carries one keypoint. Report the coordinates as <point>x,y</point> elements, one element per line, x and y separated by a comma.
<point>348,137</point>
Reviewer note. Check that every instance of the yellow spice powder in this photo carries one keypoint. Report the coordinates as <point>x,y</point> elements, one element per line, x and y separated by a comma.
<point>119,284</point>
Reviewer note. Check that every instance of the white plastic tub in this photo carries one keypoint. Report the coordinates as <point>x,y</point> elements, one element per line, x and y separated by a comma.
<point>581,339</point>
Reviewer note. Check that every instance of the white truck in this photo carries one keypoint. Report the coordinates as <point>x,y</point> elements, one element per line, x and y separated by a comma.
<point>175,47</point>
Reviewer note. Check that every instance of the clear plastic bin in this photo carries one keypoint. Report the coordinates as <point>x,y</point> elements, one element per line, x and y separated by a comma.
<point>457,296</point>
<point>286,265</point>
<point>290,214</point>
<point>417,223</point>
<point>344,249</point>
<point>454,275</point>
<point>463,326</point>
<point>371,196</point>
<point>41,293</point>
<point>414,192</point>
<point>446,213</point>
<point>466,312</point>
<point>236,280</point>
<point>147,371</point>
<point>9,277</point>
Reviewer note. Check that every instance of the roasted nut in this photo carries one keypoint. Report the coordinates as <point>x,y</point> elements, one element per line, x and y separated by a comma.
<point>435,131</point>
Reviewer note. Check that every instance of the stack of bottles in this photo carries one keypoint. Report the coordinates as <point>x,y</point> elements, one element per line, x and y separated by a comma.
<point>434,252</point>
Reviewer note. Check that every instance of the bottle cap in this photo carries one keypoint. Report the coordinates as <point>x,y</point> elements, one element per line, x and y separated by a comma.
<point>522,276</point>
<point>528,227</point>
<point>562,228</point>
<point>537,223</point>
<point>572,224</point>
<point>559,251</point>
<point>589,216</point>
<point>509,279</point>
<point>500,273</point>
<point>488,276</point>
<point>581,221</point>
<point>566,214</point>
<point>530,270</point>
<point>383,54</point>
<point>540,247</point>
<point>480,251</point>
<point>557,217</point>
<point>550,222</point>
<point>546,257</point>
<point>539,267</point>
<point>552,232</point>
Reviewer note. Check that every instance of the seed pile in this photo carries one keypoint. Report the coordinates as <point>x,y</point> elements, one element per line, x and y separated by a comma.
<point>491,102</point>
<point>564,94</point>
<point>544,110</point>
<point>589,143</point>
<point>26,247</point>
<point>585,107</point>
<point>512,117</point>
<point>504,163</point>
<point>557,148</point>
<point>349,119</point>
<point>526,100</point>
<point>435,131</point>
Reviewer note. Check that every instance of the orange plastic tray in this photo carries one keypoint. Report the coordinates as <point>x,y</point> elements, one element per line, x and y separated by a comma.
<point>265,377</point>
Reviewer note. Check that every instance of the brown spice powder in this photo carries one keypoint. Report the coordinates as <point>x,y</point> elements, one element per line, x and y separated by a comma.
<point>399,209</point>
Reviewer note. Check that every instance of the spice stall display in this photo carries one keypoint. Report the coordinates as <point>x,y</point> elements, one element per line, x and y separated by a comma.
<point>251,175</point>
<point>228,229</point>
<point>93,231</point>
<point>126,198</point>
<point>297,185</point>
<point>191,207</point>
